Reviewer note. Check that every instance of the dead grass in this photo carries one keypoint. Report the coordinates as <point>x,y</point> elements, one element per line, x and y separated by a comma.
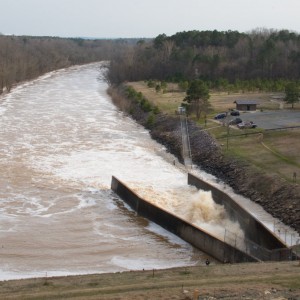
<point>167,102</point>
<point>269,152</point>
<point>224,101</point>
<point>220,281</point>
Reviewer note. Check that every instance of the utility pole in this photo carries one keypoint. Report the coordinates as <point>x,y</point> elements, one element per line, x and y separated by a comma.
<point>227,136</point>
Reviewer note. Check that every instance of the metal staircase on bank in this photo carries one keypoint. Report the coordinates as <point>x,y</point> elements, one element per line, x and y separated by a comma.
<point>186,147</point>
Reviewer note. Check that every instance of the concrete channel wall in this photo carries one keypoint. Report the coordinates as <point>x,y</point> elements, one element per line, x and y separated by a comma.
<point>254,230</point>
<point>200,239</point>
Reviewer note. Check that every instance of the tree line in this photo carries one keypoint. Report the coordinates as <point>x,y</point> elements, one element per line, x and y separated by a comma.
<point>24,57</point>
<point>226,60</point>
<point>261,59</point>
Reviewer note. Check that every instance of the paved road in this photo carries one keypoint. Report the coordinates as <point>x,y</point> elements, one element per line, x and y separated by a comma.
<point>273,119</point>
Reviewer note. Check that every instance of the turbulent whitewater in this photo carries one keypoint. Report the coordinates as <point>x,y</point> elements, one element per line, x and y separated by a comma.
<point>61,140</point>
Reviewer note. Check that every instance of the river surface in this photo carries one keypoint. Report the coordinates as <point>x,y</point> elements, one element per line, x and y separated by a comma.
<point>61,140</point>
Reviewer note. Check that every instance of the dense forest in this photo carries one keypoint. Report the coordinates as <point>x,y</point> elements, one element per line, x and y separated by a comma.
<point>24,58</point>
<point>261,57</point>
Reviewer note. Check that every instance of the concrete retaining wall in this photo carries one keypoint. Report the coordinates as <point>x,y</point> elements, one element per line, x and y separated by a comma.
<point>254,230</point>
<point>188,232</point>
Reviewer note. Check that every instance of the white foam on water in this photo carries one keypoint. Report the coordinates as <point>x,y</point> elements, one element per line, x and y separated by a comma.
<point>196,207</point>
<point>15,275</point>
<point>86,202</point>
<point>172,238</point>
<point>2,110</point>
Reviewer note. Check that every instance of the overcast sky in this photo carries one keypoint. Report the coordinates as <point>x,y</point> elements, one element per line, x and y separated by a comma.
<point>143,18</point>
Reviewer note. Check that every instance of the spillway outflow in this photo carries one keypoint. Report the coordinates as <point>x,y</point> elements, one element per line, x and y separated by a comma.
<point>195,206</point>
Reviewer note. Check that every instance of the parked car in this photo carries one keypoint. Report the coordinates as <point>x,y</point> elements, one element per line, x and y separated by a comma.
<point>246,125</point>
<point>235,121</point>
<point>235,113</point>
<point>220,116</point>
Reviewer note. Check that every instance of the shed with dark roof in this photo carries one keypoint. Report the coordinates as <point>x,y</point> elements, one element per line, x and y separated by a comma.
<point>246,105</point>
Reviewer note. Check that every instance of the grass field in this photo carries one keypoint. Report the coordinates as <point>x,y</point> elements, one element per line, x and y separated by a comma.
<point>274,152</point>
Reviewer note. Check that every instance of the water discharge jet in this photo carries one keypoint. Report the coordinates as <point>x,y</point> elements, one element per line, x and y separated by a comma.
<point>191,219</point>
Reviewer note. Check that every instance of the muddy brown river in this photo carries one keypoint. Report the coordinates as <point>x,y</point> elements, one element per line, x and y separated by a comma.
<point>61,140</point>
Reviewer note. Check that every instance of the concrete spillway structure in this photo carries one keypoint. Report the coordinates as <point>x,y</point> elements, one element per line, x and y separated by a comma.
<point>271,248</point>
<point>254,230</point>
<point>259,240</point>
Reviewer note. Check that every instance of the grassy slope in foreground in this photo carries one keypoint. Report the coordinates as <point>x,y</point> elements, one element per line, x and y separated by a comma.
<point>239,281</point>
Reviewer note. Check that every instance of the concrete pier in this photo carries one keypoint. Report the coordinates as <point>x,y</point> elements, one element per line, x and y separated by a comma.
<point>254,230</point>
<point>197,237</point>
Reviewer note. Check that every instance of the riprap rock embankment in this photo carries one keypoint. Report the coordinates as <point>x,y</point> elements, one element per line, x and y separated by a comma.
<point>276,196</point>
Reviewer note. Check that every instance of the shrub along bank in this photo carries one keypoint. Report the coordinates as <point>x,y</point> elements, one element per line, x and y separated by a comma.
<point>279,198</point>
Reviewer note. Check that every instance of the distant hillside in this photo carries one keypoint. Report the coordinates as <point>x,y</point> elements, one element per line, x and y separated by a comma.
<point>25,57</point>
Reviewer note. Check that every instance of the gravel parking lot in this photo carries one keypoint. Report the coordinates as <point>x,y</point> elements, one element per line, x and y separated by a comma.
<point>272,119</point>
